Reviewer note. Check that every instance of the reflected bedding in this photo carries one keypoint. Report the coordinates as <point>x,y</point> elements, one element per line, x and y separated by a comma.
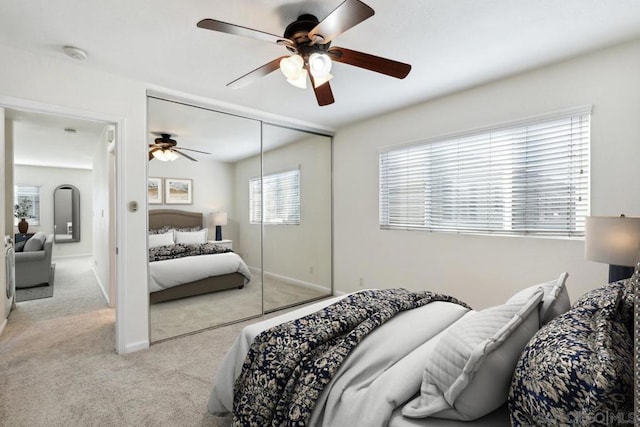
<point>174,265</point>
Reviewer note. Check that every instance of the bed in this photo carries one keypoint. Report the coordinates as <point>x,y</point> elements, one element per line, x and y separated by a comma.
<point>213,269</point>
<point>437,364</point>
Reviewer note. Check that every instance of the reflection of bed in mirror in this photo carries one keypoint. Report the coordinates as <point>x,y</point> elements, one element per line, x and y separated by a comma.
<point>186,276</point>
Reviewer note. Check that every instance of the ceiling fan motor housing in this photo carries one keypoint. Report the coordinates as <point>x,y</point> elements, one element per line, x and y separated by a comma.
<point>298,33</point>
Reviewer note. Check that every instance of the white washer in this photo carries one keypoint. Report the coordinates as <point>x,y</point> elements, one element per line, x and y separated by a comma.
<point>10,259</point>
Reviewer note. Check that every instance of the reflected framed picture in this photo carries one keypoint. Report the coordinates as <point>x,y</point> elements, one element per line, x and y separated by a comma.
<point>154,191</point>
<point>178,191</point>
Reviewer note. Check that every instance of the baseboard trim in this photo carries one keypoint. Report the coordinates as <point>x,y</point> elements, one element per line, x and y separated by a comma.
<point>101,286</point>
<point>136,346</point>
<point>4,323</point>
<point>71,256</point>
<point>296,282</point>
<point>288,280</point>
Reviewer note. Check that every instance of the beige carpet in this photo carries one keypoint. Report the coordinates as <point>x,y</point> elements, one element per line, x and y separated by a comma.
<point>58,366</point>
<point>174,318</point>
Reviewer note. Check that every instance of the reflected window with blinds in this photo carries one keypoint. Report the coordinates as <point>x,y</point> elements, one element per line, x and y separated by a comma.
<point>524,178</point>
<point>281,195</point>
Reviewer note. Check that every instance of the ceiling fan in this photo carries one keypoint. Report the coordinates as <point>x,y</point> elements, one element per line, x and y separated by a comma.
<point>309,41</point>
<point>164,148</point>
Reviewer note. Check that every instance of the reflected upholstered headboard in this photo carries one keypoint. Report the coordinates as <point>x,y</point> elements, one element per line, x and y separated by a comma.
<point>175,218</point>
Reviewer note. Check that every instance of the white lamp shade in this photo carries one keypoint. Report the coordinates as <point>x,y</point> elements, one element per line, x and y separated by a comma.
<point>301,80</point>
<point>160,155</point>
<point>613,240</point>
<point>319,81</point>
<point>319,64</point>
<point>292,66</point>
<point>219,218</point>
<point>165,155</point>
<point>171,155</point>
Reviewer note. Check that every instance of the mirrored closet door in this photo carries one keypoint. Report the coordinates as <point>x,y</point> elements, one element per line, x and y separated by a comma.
<point>296,216</point>
<point>239,218</point>
<point>199,279</point>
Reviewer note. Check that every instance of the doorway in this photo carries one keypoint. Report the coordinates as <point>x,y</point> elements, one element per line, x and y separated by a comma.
<point>52,149</point>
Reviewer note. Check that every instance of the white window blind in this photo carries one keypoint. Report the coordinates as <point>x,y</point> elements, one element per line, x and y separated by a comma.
<point>281,195</point>
<point>525,178</point>
<point>29,196</point>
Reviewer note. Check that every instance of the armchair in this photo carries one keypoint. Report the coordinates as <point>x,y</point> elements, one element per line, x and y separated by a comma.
<point>33,265</point>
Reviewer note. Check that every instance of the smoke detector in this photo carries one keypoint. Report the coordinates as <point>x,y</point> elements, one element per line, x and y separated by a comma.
<point>75,53</point>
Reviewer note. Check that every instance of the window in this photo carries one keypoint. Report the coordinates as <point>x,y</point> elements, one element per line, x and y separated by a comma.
<point>524,178</point>
<point>28,197</point>
<point>281,193</point>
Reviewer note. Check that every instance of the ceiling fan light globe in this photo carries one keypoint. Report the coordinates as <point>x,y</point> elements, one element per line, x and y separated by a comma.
<point>160,155</point>
<point>171,155</point>
<point>319,81</point>
<point>291,66</point>
<point>301,80</point>
<point>319,64</point>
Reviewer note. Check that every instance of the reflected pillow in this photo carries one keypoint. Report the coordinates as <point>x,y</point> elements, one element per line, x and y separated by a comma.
<point>194,228</point>
<point>555,300</point>
<point>161,230</point>
<point>165,239</point>
<point>191,237</point>
<point>468,373</point>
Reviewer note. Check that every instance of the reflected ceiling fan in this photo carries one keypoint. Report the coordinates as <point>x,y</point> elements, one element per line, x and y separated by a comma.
<point>309,41</point>
<point>164,148</point>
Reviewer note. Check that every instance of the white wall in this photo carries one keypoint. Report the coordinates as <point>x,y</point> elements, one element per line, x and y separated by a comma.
<point>3,277</point>
<point>101,219</point>
<point>63,85</point>
<point>485,270</point>
<point>301,252</point>
<point>48,179</point>
<point>8,175</point>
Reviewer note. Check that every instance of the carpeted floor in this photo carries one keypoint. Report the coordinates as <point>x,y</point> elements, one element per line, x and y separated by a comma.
<point>173,318</point>
<point>58,366</point>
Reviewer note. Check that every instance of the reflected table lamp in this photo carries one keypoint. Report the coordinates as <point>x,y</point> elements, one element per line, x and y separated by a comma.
<point>615,241</point>
<point>219,219</point>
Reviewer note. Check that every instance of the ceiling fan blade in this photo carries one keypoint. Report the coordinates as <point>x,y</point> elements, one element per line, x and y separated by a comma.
<point>183,154</point>
<point>347,15</point>
<point>370,62</point>
<point>256,74</point>
<point>191,149</point>
<point>324,94</point>
<point>224,27</point>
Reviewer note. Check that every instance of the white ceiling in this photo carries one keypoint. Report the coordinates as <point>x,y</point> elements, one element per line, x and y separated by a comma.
<point>41,140</point>
<point>451,44</point>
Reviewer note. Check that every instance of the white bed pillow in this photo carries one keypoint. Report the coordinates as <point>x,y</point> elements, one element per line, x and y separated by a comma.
<point>163,239</point>
<point>468,373</point>
<point>191,237</point>
<point>555,300</point>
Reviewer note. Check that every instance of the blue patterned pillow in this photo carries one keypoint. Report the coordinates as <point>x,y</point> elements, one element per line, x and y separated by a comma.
<point>578,369</point>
